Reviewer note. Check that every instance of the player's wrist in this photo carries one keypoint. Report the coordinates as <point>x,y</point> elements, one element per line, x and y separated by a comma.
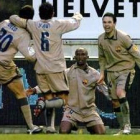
<point>37,90</point>
<point>34,90</point>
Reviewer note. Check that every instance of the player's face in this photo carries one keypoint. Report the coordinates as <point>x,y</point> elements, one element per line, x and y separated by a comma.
<point>108,24</point>
<point>81,57</point>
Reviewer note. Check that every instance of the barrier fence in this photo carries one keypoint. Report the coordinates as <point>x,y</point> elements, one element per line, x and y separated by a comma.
<point>10,113</point>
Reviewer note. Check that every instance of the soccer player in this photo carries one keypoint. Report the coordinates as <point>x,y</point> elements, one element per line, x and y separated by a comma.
<point>81,100</point>
<point>50,64</point>
<point>81,106</point>
<point>12,40</point>
<point>118,55</point>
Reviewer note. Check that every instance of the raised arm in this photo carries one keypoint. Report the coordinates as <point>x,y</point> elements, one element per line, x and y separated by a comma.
<point>20,22</point>
<point>69,24</point>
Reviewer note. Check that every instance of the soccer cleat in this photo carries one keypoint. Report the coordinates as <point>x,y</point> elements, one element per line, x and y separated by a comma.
<point>119,133</point>
<point>50,130</point>
<point>39,106</point>
<point>35,130</point>
<point>127,129</point>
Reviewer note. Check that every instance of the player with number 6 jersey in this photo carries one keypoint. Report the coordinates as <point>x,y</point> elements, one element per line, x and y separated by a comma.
<point>47,35</point>
<point>48,43</point>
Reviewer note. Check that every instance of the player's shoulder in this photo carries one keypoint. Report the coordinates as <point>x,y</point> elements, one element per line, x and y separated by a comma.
<point>101,36</point>
<point>92,69</point>
<point>122,35</point>
<point>4,23</point>
<point>60,21</point>
<point>57,22</point>
<point>10,27</point>
<point>121,32</point>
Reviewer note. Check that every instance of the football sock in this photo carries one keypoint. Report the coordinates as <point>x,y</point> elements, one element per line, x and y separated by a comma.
<point>25,108</point>
<point>54,103</point>
<point>50,117</point>
<point>124,106</point>
<point>119,116</point>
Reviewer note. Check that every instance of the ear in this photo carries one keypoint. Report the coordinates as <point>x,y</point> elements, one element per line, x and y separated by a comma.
<point>74,57</point>
<point>87,57</point>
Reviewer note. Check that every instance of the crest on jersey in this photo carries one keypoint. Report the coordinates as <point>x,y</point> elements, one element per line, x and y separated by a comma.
<point>118,49</point>
<point>85,81</point>
<point>135,48</point>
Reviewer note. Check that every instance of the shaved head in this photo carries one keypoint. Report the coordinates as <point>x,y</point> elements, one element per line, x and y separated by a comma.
<point>81,56</point>
<point>81,49</point>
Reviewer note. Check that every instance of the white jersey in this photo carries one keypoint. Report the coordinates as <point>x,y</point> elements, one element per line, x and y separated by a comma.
<point>12,40</point>
<point>48,43</point>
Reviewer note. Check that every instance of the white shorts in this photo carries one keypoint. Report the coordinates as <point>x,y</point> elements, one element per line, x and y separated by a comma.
<point>7,73</point>
<point>74,118</point>
<point>54,82</point>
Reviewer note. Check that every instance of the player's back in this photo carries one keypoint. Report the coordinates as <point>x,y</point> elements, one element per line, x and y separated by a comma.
<point>48,43</point>
<point>10,38</point>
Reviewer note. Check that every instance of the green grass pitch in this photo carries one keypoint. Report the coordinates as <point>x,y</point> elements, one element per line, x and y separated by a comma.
<point>67,137</point>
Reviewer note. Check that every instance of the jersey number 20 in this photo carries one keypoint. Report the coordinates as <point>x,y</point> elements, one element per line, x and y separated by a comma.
<point>5,40</point>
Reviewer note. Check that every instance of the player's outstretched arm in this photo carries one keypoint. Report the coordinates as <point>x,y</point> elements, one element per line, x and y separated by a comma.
<point>16,20</point>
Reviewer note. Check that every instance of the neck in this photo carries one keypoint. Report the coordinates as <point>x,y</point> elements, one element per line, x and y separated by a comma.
<point>111,34</point>
<point>83,67</point>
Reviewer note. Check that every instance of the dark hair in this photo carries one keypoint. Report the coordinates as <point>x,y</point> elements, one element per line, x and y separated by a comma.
<point>46,11</point>
<point>26,12</point>
<point>108,14</point>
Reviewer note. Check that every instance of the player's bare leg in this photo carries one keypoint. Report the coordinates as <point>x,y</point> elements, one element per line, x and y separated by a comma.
<point>97,129</point>
<point>16,86</point>
<point>65,127</point>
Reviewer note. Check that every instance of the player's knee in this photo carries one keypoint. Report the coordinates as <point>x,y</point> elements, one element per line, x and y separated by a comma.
<point>65,127</point>
<point>120,93</point>
<point>100,130</point>
<point>64,131</point>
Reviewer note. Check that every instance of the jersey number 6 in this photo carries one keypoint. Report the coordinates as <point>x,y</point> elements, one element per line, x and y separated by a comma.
<point>44,41</point>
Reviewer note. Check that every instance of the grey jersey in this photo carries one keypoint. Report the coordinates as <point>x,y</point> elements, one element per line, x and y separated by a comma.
<point>12,40</point>
<point>48,43</point>
<point>82,89</point>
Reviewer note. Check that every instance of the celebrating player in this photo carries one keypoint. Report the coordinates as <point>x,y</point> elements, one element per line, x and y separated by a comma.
<point>118,55</point>
<point>81,99</point>
<point>50,64</point>
<point>12,40</point>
